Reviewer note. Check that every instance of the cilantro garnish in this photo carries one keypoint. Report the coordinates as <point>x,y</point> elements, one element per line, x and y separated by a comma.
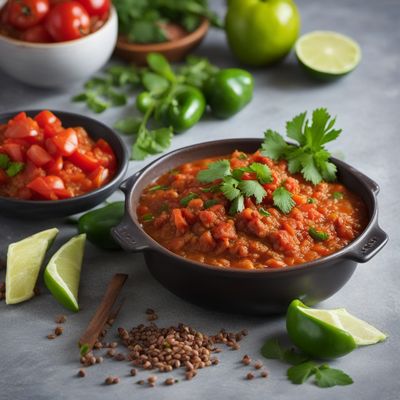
<point>303,368</point>
<point>211,202</point>
<point>338,195</point>
<point>319,236</point>
<point>186,200</point>
<point>148,217</point>
<point>252,188</point>
<point>264,212</point>
<point>158,187</point>
<point>311,200</point>
<point>215,170</point>
<point>310,156</point>
<point>14,168</point>
<point>283,199</point>
<point>4,161</point>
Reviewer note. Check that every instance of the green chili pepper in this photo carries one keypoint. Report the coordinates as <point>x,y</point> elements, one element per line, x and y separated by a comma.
<point>186,108</point>
<point>228,91</point>
<point>144,101</point>
<point>97,224</point>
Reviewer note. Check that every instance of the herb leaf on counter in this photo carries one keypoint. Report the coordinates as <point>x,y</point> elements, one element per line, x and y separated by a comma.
<point>299,374</point>
<point>129,125</point>
<point>328,377</point>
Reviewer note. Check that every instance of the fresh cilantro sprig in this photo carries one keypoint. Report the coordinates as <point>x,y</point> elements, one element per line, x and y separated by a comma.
<point>235,188</point>
<point>310,156</point>
<point>303,368</point>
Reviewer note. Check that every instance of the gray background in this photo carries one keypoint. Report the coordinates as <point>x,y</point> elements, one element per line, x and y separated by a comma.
<point>367,106</point>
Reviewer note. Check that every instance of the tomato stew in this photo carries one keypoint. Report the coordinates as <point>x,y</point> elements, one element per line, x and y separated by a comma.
<point>192,220</point>
<point>42,160</point>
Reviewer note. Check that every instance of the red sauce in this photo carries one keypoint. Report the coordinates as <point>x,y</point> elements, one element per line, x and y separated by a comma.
<point>42,160</point>
<point>249,239</point>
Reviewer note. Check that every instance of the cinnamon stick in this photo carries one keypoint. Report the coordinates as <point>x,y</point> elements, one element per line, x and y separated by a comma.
<point>102,314</point>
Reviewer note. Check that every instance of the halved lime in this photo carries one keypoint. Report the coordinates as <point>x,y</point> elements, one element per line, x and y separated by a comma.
<point>63,272</point>
<point>328,333</point>
<point>24,259</point>
<point>327,55</point>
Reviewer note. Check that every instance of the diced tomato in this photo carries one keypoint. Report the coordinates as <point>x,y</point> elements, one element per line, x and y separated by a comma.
<point>104,146</point>
<point>22,128</point>
<point>99,176</point>
<point>51,147</point>
<point>55,165</point>
<point>41,187</point>
<point>3,176</point>
<point>66,141</point>
<point>38,155</point>
<point>83,161</point>
<point>19,117</point>
<point>14,151</point>
<point>46,117</point>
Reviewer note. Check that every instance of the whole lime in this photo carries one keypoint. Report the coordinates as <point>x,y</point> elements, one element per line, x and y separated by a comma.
<point>261,32</point>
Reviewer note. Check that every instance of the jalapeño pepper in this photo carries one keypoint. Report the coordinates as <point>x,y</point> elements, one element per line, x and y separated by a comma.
<point>228,91</point>
<point>185,109</point>
<point>97,224</point>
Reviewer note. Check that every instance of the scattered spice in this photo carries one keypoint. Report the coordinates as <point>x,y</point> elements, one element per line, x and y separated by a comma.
<point>51,336</point>
<point>264,374</point>
<point>109,380</point>
<point>111,352</point>
<point>81,373</point>
<point>133,371</point>
<point>60,319</point>
<point>249,376</point>
<point>258,365</point>
<point>120,357</point>
<point>141,382</point>
<point>246,360</point>
<point>169,381</point>
<point>58,330</point>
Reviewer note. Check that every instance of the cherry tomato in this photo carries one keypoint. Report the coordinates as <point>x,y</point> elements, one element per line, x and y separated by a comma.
<point>38,155</point>
<point>67,21</point>
<point>36,34</point>
<point>24,14</point>
<point>46,117</point>
<point>55,165</point>
<point>3,176</point>
<point>83,161</point>
<point>51,147</point>
<point>97,8</point>
<point>22,128</point>
<point>66,141</point>
<point>14,151</point>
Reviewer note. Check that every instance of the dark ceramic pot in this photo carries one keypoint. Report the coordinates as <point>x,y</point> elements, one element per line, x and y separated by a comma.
<point>35,209</point>
<point>251,292</point>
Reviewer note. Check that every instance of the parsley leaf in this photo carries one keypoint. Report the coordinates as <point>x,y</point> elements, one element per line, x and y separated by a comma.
<point>319,236</point>
<point>158,187</point>
<point>154,83</point>
<point>229,188</point>
<point>298,374</point>
<point>215,170</point>
<point>272,349</point>
<point>328,377</point>
<point>310,156</point>
<point>237,205</point>
<point>293,357</point>
<point>211,202</point>
<point>129,125</point>
<point>338,195</point>
<point>274,145</point>
<point>283,200</point>
<point>262,171</point>
<point>252,188</point>
<point>264,212</point>
<point>186,200</point>
<point>159,64</point>
<point>151,142</point>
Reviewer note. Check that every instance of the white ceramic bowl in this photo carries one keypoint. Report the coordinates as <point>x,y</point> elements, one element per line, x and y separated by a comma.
<point>59,64</point>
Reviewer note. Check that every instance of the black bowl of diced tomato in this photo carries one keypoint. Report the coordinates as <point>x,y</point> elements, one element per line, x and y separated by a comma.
<point>56,163</point>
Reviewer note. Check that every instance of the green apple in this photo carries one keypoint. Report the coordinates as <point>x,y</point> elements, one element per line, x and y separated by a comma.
<point>261,32</point>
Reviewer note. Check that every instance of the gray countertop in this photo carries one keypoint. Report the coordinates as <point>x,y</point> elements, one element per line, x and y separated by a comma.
<point>367,106</point>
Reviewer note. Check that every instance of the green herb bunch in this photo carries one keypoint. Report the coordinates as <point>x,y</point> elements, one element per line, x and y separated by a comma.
<point>144,21</point>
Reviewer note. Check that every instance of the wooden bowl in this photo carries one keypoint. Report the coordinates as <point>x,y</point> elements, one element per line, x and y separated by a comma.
<point>175,50</point>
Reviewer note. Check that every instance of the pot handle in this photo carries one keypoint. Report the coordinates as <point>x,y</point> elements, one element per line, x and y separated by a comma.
<point>371,245</point>
<point>127,234</point>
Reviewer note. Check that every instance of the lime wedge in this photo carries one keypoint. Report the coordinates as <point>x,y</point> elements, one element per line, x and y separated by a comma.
<point>24,259</point>
<point>328,333</point>
<point>63,272</point>
<point>327,55</point>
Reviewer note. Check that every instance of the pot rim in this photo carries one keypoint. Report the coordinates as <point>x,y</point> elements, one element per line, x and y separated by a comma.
<point>152,245</point>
